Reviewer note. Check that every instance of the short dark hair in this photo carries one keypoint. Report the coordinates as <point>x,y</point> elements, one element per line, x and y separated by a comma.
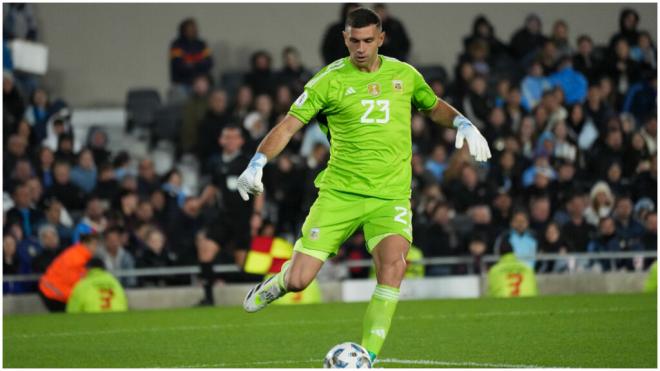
<point>95,262</point>
<point>363,17</point>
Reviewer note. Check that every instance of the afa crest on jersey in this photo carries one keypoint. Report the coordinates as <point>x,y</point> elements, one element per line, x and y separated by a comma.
<point>374,89</point>
<point>397,86</point>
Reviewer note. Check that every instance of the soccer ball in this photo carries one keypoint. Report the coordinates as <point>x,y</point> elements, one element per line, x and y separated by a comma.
<point>347,355</point>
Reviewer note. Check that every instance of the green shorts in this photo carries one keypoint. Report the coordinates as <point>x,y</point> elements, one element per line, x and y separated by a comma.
<point>336,215</point>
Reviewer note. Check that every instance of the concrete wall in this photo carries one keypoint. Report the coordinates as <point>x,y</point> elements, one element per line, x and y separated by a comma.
<point>184,297</point>
<point>98,51</point>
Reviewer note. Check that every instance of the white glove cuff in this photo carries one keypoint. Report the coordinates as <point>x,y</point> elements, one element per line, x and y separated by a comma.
<point>258,161</point>
<point>460,121</point>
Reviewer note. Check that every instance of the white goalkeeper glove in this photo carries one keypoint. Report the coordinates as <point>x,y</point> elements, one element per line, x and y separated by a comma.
<point>250,179</point>
<point>476,142</point>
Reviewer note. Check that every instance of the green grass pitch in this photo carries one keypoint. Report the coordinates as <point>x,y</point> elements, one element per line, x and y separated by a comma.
<point>556,331</point>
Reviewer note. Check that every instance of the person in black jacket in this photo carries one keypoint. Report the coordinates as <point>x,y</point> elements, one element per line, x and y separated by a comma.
<point>228,236</point>
<point>189,55</point>
<point>23,213</point>
<point>397,42</point>
<point>333,46</point>
<point>216,117</point>
<point>261,78</point>
<point>628,21</point>
<point>527,39</point>
<point>482,29</point>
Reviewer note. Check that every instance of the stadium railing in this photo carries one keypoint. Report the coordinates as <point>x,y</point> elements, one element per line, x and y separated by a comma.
<point>485,261</point>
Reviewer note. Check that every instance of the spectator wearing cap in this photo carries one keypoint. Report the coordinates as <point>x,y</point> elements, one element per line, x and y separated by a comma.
<point>65,271</point>
<point>99,291</point>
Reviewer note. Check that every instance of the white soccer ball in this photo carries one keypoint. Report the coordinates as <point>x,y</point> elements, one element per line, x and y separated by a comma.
<point>347,355</point>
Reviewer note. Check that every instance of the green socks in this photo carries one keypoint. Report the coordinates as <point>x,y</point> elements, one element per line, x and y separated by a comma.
<point>378,318</point>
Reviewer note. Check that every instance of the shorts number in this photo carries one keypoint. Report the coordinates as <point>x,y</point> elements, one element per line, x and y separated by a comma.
<point>515,279</point>
<point>401,218</point>
<point>106,296</point>
<point>383,106</point>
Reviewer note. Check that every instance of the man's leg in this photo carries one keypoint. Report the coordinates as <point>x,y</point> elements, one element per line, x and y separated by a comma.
<point>295,276</point>
<point>207,249</point>
<point>390,260</point>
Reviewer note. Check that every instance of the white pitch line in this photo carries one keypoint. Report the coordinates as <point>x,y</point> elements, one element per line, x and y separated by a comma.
<point>450,363</point>
<point>321,322</point>
<point>385,360</point>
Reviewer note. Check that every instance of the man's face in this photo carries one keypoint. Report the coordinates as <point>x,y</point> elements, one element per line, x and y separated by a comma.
<point>94,208</point>
<point>363,44</point>
<point>623,208</point>
<point>22,197</point>
<point>541,210</point>
<point>113,241</point>
<point>146,169</point>
<point>519,222</point>
<point>218,101</point>
<point>62,173</point>
<point>651,223</point>
<point>50,239</point>
<point>231,140</point>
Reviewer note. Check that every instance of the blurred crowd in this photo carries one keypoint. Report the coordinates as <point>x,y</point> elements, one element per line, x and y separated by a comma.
<point>572,127</point>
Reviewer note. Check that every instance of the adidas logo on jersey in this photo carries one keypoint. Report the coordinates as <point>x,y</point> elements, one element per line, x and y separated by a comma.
<point>349,91</point>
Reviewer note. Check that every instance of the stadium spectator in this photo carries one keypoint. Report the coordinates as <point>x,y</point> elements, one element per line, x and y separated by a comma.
<point>97,292</point>
<point>189,56</point>
<point>332,46</point>
<point>107,187</point>
<point>16,149</point>
<point>552,242</point>
<point>283,184</point>
<point>193,112</point>
<point>627,228</point>
<point>19,22</point>
<point>533,86</point>
<point>576,230</point>
<point>243,104</point>
<point>65,271</point>
<point>115,256</point>
<point>560,38</point>
<point>572,83</point>
<point>182,230</point>
<point>261,78</point>
<point>585,60</point>
<point>97,142</point>
<point>606,240</point>
<point>49,240</point>
<point>65,151</point>
<point>644,52</point>
<point>601,203</point>
<point>293,73</point>
<point>215,118</point>
<point>628,21</point>
<point>476,102</point>
<point>521,239</point>
<point>397,43</point>
<point>437,162</point>
<point>236,220</point>
<point>93,221</point>
<point>23,213</point>
<point>38,112</point>
<point>438,238</point>
<point>623,70</point>
<point>84,173</point>
<point>511,276</point>
<point>540,213</point>
<point>650,237</point>
<point>154,254</point>
<point>147,178</point>
<point>14,105</point>
<point>482,29</point>
<point>527,39</point>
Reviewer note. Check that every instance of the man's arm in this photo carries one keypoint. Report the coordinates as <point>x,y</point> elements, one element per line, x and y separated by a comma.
<point>443,113</point>
<point>270,146</point>
<point>279,136</point>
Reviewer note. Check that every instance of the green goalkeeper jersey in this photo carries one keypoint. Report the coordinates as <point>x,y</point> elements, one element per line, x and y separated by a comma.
<point>368,117</point>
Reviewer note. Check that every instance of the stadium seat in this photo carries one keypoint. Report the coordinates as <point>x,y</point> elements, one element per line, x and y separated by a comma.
<point>167,121</point>
<point>141,104</point>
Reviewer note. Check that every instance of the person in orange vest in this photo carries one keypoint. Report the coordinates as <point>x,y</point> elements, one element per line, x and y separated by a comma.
<point>65,271</point>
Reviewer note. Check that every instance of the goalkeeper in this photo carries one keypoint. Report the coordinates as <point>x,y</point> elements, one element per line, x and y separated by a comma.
<point>366,99</point>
